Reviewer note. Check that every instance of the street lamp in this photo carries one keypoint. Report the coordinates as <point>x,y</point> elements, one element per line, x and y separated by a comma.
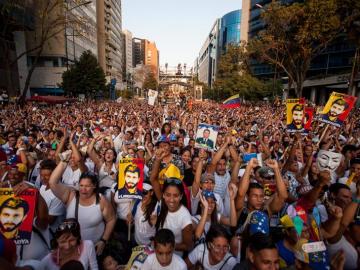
<point>66,35</point>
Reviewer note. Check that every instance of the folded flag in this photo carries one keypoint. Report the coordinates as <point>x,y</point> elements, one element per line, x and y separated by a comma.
<point>232,102</point>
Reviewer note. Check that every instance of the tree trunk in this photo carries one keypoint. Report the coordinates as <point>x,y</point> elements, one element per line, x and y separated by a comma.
<point>9,81</point>
<point>28,77</point>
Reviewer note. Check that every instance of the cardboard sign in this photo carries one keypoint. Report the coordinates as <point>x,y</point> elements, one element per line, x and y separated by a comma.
<point>131,177</point>
<point>152,95</point>
<point>295,114</point>
<point>337,109</point>
<point>206,136</point>
<point>17,214</point>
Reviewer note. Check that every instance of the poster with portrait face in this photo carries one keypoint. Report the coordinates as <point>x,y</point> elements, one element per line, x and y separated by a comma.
<point>337,109</point>
<point>206,136</point>
<point>17,214</point>
<point>152,95</point>
<point>131,177</point>
<point>295,114</point>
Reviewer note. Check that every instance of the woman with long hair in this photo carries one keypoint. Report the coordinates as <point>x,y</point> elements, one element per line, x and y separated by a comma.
<point>214,253</point>
<point>207,213</point>
<point>145,216</point>
<point>93,211</point>
<point>68,246</point>
<point>105,165</point>
<point>173,214</point>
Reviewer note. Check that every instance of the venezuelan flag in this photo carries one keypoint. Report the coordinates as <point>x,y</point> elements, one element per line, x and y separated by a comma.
<point>232,102</point>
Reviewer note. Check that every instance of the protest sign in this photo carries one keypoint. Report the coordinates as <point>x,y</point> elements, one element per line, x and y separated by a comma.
<point>17,214</point>
<point>206,136</point>
<point>295,112</point>
<point>337,109</point>
<point>152,95</point>
<point>131,177</point>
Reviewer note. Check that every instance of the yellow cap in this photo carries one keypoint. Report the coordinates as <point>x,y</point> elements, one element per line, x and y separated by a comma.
<point>21,168</point>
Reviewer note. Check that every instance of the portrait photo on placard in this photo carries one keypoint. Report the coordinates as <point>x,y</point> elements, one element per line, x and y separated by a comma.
<point>337,109</point>
<point>131,177</point>
<point>17,214</point>
<point>206,136</point>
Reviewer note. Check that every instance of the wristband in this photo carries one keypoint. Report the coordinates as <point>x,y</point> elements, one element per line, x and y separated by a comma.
<point>356,200</point>
<point>103,240</point>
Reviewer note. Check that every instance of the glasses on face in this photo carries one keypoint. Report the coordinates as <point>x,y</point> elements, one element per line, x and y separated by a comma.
<point>173,180</point>
<point>146,192</point>
<point>219,249</point>
<point>67,226</point>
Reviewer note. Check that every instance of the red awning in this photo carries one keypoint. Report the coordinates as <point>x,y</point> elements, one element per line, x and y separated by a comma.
<point>51,99</point>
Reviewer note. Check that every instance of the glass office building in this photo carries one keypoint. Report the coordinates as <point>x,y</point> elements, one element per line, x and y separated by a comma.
<point>229,32</point>
<point>328,71</point>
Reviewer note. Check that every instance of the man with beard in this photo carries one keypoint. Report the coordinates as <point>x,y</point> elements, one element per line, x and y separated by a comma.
<point>336,109</point>
<point>132,178</point>
<point>13,212</point>
<point>297,118</point>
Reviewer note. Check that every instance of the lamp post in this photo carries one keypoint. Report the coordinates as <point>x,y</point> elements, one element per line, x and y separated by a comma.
<point>66,35</point>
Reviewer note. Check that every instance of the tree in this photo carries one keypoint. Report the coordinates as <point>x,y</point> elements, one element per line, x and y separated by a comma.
<point>295,34</point>
<point>51,17</point>
<point>150,81</point>
<point>84,77</point>
<point>234,76</point>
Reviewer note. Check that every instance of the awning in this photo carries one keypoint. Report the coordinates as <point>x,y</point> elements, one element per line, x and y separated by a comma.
<point>51,99</point>
<point>47,91</point>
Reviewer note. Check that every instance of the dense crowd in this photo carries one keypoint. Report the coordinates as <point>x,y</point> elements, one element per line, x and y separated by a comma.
<point>293,205</point>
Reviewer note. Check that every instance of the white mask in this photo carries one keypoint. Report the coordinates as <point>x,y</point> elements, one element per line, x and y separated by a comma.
<point>327,160</point>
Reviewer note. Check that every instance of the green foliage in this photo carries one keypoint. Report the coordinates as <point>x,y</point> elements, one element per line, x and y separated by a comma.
<point>295,34</point>
<point>125,93</point>
<point>85,77</point>
<point>233,77</point>
<point>150,81</point>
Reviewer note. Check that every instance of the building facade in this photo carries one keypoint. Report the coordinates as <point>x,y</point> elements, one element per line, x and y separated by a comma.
<point>224,31</point>
<point>63,49</point>
<point>329,71</point>
<point>128,51</point>
<point>110,40</point>
<point>152,57</point>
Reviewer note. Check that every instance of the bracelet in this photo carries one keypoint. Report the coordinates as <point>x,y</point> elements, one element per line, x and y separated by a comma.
<point>356,200</point>
<point>103,240</point>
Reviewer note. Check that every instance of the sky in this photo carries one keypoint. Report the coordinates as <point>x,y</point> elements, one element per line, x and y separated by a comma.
<point>178,27</point>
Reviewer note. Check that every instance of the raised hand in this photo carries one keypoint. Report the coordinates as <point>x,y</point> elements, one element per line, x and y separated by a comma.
<point>273,164</point>
<point>253,163</point>
<point>232,191</point>
<point>204,202</point>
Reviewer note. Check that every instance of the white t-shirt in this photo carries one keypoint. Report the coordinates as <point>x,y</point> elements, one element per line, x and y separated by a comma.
<point>122,205</point>
<point>221,183</point>
<point>55,206</point>
<point>87,258</point>
<point>198,254</point>
<point>143,230</point>
<point>176,222</point>
<point>71,178</point>
<point>351,255</point>
<point>37,249</point>
<point>151,263</point>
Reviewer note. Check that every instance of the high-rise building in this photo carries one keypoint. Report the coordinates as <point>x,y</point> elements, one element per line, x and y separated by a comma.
<point>229,31</point>
<point>146,53</point>
<point>110,41</point>
<point>138,52</point>
<point>152,57</point>
<point>128,51</point>
<point>224,31</point>
<point>62,49</point>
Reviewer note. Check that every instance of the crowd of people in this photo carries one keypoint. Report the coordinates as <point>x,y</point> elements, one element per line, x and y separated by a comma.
<point>262,199</point>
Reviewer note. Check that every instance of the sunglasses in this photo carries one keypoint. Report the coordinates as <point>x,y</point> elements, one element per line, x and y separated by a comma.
<point>146,192</point>
<point>173,180</point>
<point>67,226</point>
